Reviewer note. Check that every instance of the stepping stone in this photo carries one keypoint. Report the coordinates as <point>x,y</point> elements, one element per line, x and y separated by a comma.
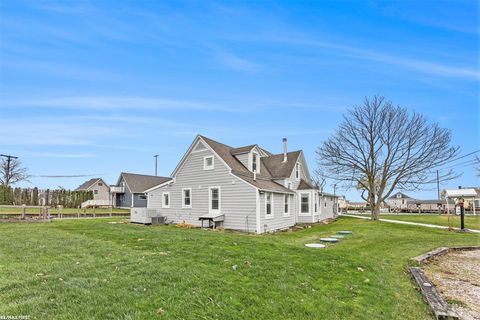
<point>315,245</point>
<point>344,232</point>
<point>328,239</point>
<point>338,236</point>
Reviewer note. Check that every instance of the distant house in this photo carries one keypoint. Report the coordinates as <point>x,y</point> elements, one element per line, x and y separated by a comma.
<point>429,205</point>
<point>129,192</point>
<point>100,190</point>
<point>399,201</point>
<point>246,188</point>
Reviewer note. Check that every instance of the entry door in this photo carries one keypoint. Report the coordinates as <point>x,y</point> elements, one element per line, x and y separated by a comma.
<point>214,197</point>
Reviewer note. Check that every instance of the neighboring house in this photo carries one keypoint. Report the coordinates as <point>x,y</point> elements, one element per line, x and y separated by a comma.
<point>100,190</point>
<point>129,192</point>
<point>247,189</point>
<point>398,201</point>
<point>429,205</point>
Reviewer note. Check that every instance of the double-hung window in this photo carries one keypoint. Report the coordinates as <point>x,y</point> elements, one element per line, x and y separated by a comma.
<point>254,162</point>
<point>268,205</point>
<point>304,203</point>
<point>166,200</point>
<point>187,198</point>
<point>286,202</point>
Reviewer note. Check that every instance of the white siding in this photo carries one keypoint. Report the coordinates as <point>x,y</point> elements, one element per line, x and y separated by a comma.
<point>279,221</point>
<point>238,199</point>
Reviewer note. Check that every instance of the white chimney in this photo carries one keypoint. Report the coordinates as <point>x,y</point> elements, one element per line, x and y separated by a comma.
<point>284,149</point>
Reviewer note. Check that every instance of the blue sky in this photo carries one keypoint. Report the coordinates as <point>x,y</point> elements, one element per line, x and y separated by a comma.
<point>99,87</point>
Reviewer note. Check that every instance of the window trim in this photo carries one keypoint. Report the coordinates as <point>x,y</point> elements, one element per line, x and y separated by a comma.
<point>286,214</point>
<point>315,204</point>
<point>183,198</point>
<point>210,210</point>
<point>95,191</point>
<point>300,213</point>
<point>163,200</point>
<point>205,167</point>
<point>297,171</point>
<point>271,214</point>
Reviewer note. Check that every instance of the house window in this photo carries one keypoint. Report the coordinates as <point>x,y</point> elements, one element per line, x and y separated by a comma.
<point>95,191</point>
<point>297,171</point>
<point>305,203</point>
<point>254,162</point>
<point>325,201</point>
<point>166,200</point>
<point>208,163</point>
<point>187,198</point>
<point>316,204</point>
<point>286,198</point>
<point>142,197</point>
<point>214,198</point>
<point>100,184</point>
<point>268,204</point>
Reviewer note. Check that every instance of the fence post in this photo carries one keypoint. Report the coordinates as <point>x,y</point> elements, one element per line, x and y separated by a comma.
<point>78,212</point>
<point>111,208</point>
<point>94,211</point>
<point>23,211</point>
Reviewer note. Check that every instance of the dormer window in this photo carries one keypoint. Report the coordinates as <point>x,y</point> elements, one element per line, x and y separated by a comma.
<point>254,162</point>
<point>297,171</point>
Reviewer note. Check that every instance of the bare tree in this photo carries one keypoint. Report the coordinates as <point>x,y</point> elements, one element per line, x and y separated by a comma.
<point>380,147</point>
<point>319,179</point>
<point>11,172</point>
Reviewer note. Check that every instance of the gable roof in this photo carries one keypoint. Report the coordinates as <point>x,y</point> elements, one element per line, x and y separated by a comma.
<point>88,184</point>
<point>138,183</point>
<point>263,181</point>
<point>304,185</point>
<point>402,196</point>
<point>242,149</point>
<point>277,167</point>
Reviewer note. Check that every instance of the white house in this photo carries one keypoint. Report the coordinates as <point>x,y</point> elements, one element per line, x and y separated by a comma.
<point>246,188</point>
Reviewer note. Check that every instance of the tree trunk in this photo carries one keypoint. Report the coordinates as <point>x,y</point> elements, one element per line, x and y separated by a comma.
<point>376,211</point>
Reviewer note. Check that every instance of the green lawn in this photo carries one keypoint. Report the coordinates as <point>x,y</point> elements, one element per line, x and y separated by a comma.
<point>471,222</point>
<point>73,211</point>
<point>78,269</point>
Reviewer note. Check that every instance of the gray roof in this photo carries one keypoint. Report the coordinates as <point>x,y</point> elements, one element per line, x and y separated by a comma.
<point>403,196</point>
<point>138,183</point>
<point>87,184</point>
<point>278,168</point>
<point>242,149</point>
<point>428,201</point>
<point>263,181</point>
<point>304,185</point>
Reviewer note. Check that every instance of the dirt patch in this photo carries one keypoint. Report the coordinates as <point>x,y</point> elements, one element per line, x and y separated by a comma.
<point>456,276</point>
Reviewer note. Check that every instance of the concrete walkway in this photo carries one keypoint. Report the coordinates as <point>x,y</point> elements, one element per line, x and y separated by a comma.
<point>410,223</point>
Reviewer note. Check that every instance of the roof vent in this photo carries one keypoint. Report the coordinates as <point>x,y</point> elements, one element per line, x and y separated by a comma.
<point>284,149</point>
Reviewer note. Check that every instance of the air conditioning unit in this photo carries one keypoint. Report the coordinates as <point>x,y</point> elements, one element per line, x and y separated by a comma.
<point>159,220</point>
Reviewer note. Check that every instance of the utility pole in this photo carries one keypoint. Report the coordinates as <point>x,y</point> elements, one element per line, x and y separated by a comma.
<point>156,162</point>
<point>334,198</point>
<point>7,173</point>
<point>438,186</point>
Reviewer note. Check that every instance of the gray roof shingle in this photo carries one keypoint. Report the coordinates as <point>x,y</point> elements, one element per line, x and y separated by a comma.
<point>138,183</point>
<point>87,184</point>
<point>264,180</point>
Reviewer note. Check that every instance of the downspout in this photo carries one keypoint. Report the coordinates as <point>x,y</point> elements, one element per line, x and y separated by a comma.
<point>257,200</point>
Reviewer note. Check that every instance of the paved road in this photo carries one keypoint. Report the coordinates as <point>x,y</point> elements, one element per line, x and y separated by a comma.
<point>408,222</point>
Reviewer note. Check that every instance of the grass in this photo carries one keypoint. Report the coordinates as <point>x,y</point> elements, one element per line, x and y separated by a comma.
<point>471,222</point>
<point>75,269</point>
<point>66,211</point>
